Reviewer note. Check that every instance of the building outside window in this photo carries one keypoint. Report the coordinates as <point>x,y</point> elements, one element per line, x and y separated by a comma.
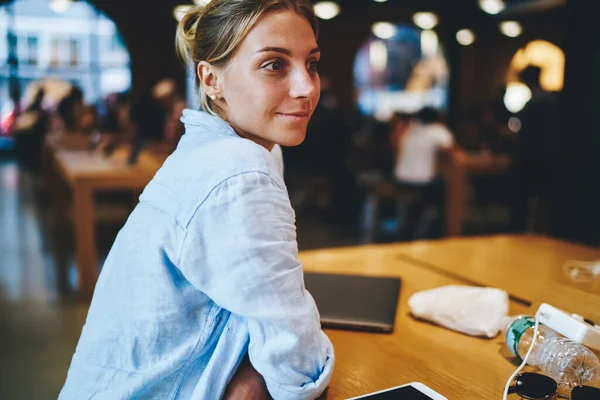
<point>32,50</point>
<point>79,44</point>
<point>73,52</point>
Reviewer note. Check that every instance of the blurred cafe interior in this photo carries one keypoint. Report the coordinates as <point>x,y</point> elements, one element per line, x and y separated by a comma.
<point>456,142</point>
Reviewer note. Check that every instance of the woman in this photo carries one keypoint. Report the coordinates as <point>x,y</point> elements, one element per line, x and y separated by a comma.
<point>205,271</point>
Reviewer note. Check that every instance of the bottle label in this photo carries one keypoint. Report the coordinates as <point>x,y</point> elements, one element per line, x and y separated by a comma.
<point>514,333</point>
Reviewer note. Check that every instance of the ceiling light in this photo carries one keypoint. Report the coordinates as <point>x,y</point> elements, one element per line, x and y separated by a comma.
<point>384,30</point>
<point>514,124</point>
<point>516,96</point>
<point>465,37</point>
<point>180,10</point>
<point>492,6</point>
<point>425,20</point>
<point>511,28</point>
<point>326,9</point>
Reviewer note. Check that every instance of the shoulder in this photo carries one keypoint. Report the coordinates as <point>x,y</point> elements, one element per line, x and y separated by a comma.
<point>227,156</point>
<point>201,165</point>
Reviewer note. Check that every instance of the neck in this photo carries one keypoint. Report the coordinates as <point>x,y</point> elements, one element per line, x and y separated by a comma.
<point>246,135</point>
<point>256,139</point>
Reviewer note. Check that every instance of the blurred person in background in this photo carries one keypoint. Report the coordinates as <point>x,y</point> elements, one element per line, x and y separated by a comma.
<point>30,128</point>
<point>173,105</point>
<point>416,172</point>
<point>156,117</point>
<point>89,119</point>
<point>399,125</point>
<point>90,127</point>
<point>112,122</point>
<point>109,122</point>
<point>70,109</point>
<point>537,156</point>
<point>381,201</point>
<point>116,125</point>
<point>122,113</point>
<point>148,116</point>
<point>202,293</point>
<point>148,122</point>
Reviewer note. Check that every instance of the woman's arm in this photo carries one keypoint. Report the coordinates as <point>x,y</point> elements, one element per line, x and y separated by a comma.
<point>240,249</point>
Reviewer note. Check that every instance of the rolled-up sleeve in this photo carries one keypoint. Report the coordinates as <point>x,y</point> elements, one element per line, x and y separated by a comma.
<point>240,249</point>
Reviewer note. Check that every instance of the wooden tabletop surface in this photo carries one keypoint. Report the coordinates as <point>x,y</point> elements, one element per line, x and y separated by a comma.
<point>77,165</point>
<point>528,267</point>
<point>86,173</point>
<point>456,365</point>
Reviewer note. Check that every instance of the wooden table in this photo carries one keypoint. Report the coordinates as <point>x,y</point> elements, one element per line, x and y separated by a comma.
<point>85,173</point>
<point>457,366</point>
<point>529,267</point>
<point>457,172</point>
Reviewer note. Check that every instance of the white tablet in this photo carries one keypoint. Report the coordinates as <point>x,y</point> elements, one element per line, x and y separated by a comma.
<point>412,391</point>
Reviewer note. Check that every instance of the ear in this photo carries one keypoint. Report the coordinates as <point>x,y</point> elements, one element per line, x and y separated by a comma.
<point>209,79</point>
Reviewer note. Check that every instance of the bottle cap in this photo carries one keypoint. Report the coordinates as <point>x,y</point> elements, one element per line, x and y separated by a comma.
<point>514,333</point>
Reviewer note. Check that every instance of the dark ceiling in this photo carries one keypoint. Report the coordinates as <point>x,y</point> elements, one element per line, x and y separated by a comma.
<point>148,28</point>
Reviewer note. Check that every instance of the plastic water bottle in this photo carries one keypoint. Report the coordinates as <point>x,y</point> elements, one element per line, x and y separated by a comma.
<point>567,362</point>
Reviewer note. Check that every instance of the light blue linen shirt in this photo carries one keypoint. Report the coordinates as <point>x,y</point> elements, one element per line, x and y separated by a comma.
<point>204,271</point>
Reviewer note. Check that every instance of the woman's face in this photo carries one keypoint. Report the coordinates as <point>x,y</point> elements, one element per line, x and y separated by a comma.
<point>270,87</point>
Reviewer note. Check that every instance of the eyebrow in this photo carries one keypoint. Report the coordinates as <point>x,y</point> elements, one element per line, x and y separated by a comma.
<point>285,51</point>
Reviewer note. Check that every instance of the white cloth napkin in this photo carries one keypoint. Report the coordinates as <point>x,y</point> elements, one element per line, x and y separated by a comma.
<point>471,310</point>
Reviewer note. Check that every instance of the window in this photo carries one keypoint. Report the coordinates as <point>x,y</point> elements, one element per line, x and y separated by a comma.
<point>55,52</point>
<point>32,50</point>
<point>80,43</point>
<point>400,69</point>
<point>74,52</point>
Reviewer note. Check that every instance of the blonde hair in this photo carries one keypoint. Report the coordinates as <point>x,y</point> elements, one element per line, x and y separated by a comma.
<point>213,32</point>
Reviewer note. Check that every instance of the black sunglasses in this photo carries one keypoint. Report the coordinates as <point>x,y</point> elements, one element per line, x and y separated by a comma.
<point>538,387</point>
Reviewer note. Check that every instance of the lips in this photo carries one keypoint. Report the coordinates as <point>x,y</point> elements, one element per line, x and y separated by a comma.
<point>296,116</point>
<point>297,113</point>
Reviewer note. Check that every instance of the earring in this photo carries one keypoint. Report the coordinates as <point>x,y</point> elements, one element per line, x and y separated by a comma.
<point>213,97</point>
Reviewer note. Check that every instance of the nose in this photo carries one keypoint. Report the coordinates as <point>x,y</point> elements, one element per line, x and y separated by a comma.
<point>304,84</point>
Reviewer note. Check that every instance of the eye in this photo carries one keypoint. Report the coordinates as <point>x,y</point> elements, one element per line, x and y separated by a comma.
<point>313,66</point>
<point>276,66</point>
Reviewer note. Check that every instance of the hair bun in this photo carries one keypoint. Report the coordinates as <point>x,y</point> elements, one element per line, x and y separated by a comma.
<point>186,34</point>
